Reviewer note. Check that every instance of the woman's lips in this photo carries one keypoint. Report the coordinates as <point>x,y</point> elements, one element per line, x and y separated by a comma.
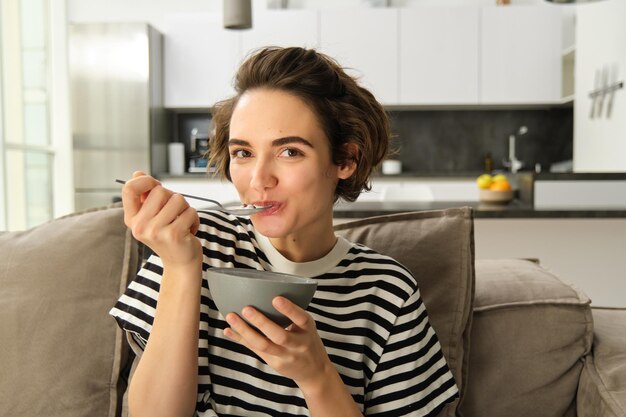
<point>273,207</point>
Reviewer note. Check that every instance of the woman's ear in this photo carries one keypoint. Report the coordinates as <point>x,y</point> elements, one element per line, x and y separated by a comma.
<point>347,168</point>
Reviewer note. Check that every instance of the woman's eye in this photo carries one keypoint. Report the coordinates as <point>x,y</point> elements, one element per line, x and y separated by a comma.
<point>240,153</point>
<point>291,152</point>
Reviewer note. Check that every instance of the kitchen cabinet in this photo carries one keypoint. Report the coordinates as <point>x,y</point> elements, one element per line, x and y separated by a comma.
<point>600,124</point>
<point>521,54</point>
<point>201,58</point>
<point>439,51</point>
<point>281,28</point>
<point>410,56</point>
<point>366,42</point>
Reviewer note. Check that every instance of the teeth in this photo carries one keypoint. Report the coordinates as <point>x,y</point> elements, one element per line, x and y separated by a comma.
<point>256,206</point>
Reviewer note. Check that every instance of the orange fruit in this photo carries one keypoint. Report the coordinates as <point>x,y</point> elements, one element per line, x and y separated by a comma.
<point>500,186</point>
<point>499,177</point>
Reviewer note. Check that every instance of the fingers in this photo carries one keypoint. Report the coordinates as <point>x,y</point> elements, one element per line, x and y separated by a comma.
<point>134,193</point>
<point>137,174</point>
<point>165,216</point>
<point>163,203</point>
<point>297,353</point>
<point>272,334</point>
<point>298,316</point>
<point>154,212</point>
<point>195,225</point>
<point>188,220</point>
<point>175,214</point>
<point>243,333</point>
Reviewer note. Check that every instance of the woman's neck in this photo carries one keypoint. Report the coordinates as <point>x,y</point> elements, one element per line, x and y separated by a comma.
<point>306,247</point>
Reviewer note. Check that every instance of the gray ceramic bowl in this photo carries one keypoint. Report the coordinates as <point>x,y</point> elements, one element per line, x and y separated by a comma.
<point>233,289</point>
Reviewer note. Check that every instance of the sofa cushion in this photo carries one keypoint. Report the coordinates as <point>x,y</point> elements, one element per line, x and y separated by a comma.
<point>529,333</point>
<point>602,389</point>
<point>61,352</point>
<point>438,248</point>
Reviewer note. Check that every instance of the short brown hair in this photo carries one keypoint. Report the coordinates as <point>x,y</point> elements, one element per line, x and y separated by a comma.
<point>347,112</point>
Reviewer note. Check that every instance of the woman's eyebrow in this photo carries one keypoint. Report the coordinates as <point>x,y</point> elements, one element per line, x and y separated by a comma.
<point>291,139</point>
<point>238,142</point>
<point>276,142</point>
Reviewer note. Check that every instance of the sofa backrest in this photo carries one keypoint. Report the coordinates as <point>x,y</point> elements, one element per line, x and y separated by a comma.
<point>438,248</point>
<point>530,333</point>
<point>58,281</point>
<point>61,354</point>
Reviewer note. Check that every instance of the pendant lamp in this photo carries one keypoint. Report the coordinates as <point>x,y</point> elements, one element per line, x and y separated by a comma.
<point>237,14</point>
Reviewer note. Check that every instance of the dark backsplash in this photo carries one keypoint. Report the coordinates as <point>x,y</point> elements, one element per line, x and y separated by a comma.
<point>456,141</point>
<point>459,140</point>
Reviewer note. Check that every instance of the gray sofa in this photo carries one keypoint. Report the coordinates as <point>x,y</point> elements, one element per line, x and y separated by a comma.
<point>519,341</point>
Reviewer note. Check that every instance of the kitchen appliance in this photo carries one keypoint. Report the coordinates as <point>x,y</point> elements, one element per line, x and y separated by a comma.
<point>199,147</point>
<point>118,121</point>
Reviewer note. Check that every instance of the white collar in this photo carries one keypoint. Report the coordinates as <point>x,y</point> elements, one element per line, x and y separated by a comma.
<point>304,269</point>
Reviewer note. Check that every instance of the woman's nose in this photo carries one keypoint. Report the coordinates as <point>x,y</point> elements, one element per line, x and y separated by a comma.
<point>263,176</point>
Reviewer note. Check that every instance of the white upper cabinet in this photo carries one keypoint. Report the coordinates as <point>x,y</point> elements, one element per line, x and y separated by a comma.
<point>200,60</point>
<point>600,122</point>
<point>521,54</point>
<point>365,41</point>
<point>439,55</point>
<point>281,28</point>
<point>420,55</point>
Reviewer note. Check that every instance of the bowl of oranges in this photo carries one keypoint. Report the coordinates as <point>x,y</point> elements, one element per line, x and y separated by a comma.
<point>494,189</point>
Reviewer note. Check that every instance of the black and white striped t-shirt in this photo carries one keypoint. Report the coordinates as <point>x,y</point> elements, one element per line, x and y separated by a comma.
<point>367,309</point>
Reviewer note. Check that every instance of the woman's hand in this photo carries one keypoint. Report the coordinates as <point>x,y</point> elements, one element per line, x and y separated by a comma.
<point>162,220</point>
<point>296,352</point>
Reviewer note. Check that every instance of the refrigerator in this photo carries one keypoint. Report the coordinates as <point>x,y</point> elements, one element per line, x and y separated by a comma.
<point>118,120</point>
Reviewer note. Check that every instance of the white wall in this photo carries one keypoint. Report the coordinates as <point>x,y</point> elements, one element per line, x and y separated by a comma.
<point>588,253</point>
<point>150,11</point>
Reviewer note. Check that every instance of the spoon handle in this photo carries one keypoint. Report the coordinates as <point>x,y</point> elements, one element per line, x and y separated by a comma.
<point>185,195</point>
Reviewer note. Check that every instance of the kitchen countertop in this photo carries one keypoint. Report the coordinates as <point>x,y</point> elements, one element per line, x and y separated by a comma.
<point>520,208</point>
<point>446,175</point>
<point>573,176</point>
<point>516,209</point>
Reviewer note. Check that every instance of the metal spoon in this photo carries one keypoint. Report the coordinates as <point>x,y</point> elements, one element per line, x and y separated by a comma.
<point>237,211</point>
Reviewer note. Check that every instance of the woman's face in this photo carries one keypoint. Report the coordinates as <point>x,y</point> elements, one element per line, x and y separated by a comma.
<point>280,156</point>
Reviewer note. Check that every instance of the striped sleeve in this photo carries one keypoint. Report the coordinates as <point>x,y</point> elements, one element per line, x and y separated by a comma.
<point>134,310</point>
<point>412,377</point>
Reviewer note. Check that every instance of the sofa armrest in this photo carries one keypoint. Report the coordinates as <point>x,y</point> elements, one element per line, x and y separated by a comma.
<point>602,388</point>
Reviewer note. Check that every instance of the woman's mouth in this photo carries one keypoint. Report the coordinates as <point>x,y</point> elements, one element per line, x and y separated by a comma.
<point>271,207</point>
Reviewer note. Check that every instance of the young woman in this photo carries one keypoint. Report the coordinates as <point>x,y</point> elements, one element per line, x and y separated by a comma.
<point>298,135</point>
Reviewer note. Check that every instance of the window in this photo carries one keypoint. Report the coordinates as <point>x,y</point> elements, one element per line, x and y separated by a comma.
<point>35,145</point>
